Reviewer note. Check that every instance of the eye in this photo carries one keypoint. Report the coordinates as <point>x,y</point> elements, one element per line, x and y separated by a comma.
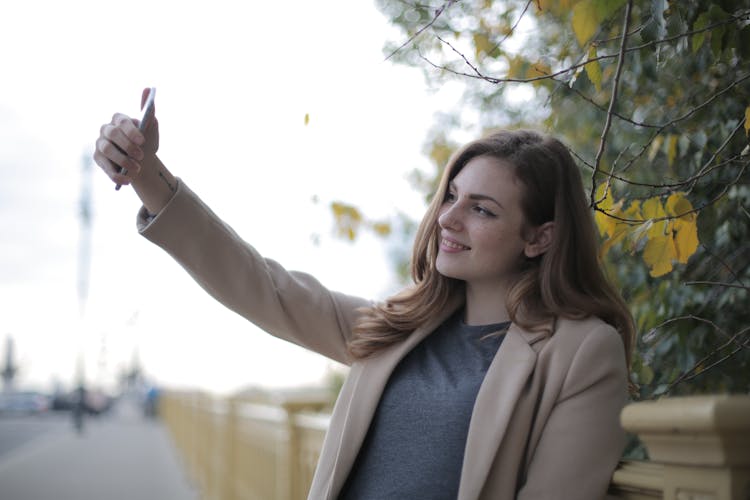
<point>450,197</point>
<point>483,211</point>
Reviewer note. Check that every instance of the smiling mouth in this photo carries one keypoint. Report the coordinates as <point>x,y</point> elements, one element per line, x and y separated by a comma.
<point>454,245</point>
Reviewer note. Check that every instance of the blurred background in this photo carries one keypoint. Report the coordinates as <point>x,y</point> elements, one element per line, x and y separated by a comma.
<point>269,112</point>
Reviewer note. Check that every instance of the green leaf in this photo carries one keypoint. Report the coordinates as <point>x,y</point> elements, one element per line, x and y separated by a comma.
<point>717,38</point>
<point>700,23</point>
<point>607,8</point>
<point>585,21</point>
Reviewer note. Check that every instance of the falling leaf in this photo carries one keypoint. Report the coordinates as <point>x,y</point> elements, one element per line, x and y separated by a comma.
<point>307,118</point>
<point>381,228</point>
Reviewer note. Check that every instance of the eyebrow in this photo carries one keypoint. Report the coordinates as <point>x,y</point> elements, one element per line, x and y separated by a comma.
<point>477,196</point>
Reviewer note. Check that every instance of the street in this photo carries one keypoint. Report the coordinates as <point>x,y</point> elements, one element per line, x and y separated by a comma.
<point>17,432</point>
<point>119,456</point>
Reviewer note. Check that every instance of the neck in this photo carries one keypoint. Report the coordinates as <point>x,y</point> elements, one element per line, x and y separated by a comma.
<point>486,305</point>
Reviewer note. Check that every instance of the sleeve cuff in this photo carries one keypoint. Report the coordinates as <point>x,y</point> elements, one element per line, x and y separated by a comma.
<point>145,218</point>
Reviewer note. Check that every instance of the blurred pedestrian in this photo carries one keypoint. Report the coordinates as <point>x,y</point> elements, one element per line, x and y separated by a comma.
<point>79,407</point>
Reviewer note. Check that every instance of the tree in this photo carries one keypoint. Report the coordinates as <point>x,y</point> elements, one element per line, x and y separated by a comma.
<point>653,98</point>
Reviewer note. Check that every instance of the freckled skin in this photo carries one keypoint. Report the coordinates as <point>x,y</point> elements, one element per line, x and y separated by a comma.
<point>481,222</point>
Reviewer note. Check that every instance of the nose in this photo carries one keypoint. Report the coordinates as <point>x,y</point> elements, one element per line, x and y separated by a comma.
<point>449,217</point>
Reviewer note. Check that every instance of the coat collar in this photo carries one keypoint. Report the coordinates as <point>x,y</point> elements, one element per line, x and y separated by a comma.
<point>375,373</point>
<point>496,401</point>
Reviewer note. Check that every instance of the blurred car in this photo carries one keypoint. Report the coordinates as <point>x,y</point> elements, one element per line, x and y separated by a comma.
<point>23,403</point>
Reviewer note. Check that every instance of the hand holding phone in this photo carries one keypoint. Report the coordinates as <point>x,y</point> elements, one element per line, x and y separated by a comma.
<point>147,115</point>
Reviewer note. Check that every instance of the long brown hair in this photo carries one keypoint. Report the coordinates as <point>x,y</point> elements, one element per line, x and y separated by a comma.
<point>566,281</point>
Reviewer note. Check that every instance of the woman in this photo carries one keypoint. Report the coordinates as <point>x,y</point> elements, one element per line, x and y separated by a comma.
<point>499,374</point>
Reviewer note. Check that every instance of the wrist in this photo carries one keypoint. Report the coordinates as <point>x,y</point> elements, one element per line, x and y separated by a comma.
<point>155,185</point>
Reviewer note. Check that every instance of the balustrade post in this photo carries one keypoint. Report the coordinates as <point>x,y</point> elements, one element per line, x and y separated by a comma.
<point>229,474</point>
<point>701,445</point>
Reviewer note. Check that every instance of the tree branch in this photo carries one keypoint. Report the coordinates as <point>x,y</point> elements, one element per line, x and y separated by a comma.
<point>438,13</point>
<point>612,102</point>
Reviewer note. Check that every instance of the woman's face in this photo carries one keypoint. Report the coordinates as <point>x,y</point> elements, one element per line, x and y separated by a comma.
<point>480,225</point>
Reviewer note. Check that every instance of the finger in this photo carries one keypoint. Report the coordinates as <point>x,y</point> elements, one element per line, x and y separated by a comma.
<point>111,154</point>
<point>112,170</point>
<point>129,127</point>
<point>118,136</point>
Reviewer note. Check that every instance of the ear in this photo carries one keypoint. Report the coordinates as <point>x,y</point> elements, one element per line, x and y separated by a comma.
<point>540,241</point>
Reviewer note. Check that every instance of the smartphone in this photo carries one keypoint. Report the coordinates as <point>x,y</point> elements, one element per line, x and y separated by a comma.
<point>147,114</point>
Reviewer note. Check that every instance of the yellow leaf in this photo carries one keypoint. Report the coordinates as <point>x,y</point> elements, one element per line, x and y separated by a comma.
<point>605,223</point>
<point>685,228</point>
<point>678,205</point>
<point>634,211</point>
<point>516,67</point>
<point>307,118</point>
<point>747,120</point>
<point>658,254</point>
<point>382,228</point>
<point>482,44</point>
<point>685,239</point>
<point>593,70</point>
<point>655,147</point>
<point>618,233</point>
<point>536,70</point>
<point>671,149</point>
<point>652,209</point>
<point>585,21</point>
<point>639,233</point>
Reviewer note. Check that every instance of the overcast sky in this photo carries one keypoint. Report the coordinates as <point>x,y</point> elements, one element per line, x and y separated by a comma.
<point>234,84</point>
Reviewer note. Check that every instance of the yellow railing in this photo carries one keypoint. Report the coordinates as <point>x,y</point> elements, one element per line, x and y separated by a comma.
<point>699,447</point>
<point>236,449</point>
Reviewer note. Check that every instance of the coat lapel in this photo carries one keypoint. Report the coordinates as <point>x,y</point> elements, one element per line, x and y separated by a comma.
<point>370,379</point>
<point>494,406</point>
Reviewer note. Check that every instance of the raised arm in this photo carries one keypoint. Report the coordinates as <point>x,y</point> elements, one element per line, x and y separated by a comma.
<point>290,305</point>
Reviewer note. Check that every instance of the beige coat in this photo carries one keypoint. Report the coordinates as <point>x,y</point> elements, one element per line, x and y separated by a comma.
<point>545,424</point>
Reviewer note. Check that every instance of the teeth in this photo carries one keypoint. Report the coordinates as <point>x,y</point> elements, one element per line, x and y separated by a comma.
<point>457,246</point>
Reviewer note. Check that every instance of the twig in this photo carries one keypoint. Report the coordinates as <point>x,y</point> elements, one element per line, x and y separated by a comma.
<point>438,13</point>
<point>612,102</point>
<point>717,283</point>
<point>513,28</point>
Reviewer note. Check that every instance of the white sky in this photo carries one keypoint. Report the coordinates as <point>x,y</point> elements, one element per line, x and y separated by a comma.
<point>234,84</point>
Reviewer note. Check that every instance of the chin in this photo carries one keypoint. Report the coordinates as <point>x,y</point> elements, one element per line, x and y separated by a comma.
<point>446,271</point>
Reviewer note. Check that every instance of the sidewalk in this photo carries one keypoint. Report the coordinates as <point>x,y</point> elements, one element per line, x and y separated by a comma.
<point>117,457</point>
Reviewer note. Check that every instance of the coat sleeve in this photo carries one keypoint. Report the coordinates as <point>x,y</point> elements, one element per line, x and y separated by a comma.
<point>582,440</point>
<point>293,306</point>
